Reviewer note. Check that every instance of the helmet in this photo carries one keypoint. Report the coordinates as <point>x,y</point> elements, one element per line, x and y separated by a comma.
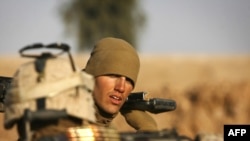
<point>49,83</point>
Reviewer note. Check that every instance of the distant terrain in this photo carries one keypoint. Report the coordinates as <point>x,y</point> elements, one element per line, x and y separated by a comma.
<point>210,91</point>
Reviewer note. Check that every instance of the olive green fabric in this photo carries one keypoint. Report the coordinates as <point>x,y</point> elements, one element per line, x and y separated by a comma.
<point>114,56</point>
<point>139,120</point>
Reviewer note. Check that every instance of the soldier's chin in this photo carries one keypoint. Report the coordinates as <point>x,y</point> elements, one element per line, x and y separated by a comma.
<point>113,110</point>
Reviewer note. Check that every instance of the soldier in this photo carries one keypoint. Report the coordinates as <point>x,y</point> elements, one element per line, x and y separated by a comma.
<point>115,64</point>
<point>48,103</point>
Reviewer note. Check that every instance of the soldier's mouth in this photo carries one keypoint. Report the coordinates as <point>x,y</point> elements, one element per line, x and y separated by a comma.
<point>115,99</point>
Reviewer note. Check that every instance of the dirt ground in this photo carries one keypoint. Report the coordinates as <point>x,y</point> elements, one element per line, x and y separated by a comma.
<point>210,91</point>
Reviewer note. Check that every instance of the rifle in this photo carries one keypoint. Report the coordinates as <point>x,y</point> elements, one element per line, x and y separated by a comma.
<point>135,101</point>
<point>138,101</point>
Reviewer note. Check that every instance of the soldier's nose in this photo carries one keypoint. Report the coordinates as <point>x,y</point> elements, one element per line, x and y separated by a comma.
<point>120,84</point>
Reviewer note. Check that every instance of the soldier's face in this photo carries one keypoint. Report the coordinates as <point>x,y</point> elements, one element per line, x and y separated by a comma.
<point>111,91</point>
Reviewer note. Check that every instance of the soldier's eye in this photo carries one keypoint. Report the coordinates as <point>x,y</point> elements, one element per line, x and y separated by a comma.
<point>129,81</point>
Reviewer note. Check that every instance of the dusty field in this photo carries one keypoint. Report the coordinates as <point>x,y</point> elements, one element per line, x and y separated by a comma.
<point>209,91</point>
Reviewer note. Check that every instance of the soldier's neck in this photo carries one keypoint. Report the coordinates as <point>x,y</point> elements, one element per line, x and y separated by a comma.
<point>103,118</point>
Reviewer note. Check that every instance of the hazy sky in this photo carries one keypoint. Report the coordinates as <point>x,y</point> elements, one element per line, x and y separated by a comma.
<point>173,26</point>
